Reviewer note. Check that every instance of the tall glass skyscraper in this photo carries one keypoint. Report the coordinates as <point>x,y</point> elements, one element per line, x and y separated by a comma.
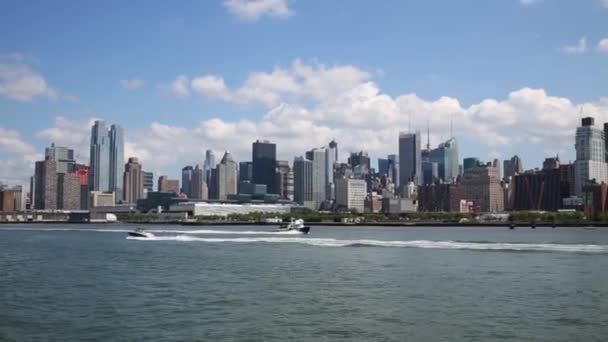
<point>319,175</point>
<point>264,159</point>
<point>99,173</point>
<point>117,159</point>
<point>208,165</point>
<point>410,159</point>
<point>446,157</point>
<point>107,158</point>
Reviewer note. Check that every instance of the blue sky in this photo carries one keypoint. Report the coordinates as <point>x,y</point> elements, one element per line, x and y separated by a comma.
<point>183,77</point>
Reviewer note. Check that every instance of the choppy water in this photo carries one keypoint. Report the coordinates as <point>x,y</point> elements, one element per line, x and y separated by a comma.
<point>85,282</point>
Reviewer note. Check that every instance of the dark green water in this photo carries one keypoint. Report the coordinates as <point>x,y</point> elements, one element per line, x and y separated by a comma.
<point>366,284</point>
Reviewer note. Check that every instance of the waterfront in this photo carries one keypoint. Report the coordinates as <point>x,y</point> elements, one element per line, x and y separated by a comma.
<point>77,282</point>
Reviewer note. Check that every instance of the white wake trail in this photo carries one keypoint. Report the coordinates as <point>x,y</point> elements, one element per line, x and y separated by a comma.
<point>479,246</point>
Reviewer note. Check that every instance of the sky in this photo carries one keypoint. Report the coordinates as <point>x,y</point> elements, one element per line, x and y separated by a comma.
<point>512,76</point>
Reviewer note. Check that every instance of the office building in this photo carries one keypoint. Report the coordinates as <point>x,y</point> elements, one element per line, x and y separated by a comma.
<point>393,169</point>
<point>68,191</point>
<point>331,159</point>
<point>469,163</point>
<point>226,180</point>
<point>264,160</point>
<point>284,180</point>
<point>302,178</point>
<point>351,193</point>
<point>538,190</point>
<point>199,188</point>
<point>319,176</point>
<point>148,180</point>
<point>101,199</point>
<point>482,186</point>
<point>410,159</point>
<point>133,181</point>
<point>45,183</point>
<point>590,164</point>
<point>187,180</point>
<point>168,185</point>
<point>383,167</point>
<point>440,197</point>
<point>512,167</point>
<point>12,199</point>
<point>446,157</point>
<point>106,158</point>
<point>63,156</point>
<point>208,165</point>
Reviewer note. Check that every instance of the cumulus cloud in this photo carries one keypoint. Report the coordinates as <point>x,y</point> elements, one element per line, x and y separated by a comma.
<point>603,45</point>
<point>11,141</point>
<point>179,88</point>
<point>300,81</point>
<point>132,84</point>
<point>19,82</point>
<point>576,49</point>
<point>252,10</point>
<point>78,138</point>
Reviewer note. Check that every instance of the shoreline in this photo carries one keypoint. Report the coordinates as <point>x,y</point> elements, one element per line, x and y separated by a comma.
<point>336,224</point>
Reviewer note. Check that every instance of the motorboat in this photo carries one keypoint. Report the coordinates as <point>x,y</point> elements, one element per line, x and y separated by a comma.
<point>297,225</point>
<point>140,233</point>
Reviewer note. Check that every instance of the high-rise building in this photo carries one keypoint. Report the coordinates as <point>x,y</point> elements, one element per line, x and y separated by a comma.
<point>226,180</point>
<point>117,159</point>
<point>284,180</point>
<point>410,163</point>
<point>331,159</point>
<point>540,190</point>
<point>199,186</point>
<point>63,156</point>
<point>99,173</point>
<point>319,177</point>
<point>469,163</point>
<point>68,191</point>
<point>446,157</point>
<point>168,185</point>
<point>394,168</point>
<point>383,167</point>
<point>351,193</point>
<point>133,181</point>
<point>12,199</point>
<point>245,173</point>
<point>512,167</point>
<point>45,183</point>
<point>302,177</point>
<point>482,186</point>
<point>590,161</point>
<point>148,180</point>
<point>264,160</point>
<point>107,158</point>
<point>208,165</point>
<point>187,181</point>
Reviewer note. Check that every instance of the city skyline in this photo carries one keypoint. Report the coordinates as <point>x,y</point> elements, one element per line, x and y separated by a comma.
<point>173,107</point>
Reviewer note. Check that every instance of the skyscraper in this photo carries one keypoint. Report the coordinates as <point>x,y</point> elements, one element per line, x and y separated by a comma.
<point>198,185</point>
<point>394,168</point>
<point>117,160</point>
<point>133,181</point>
<point>469,163</point>
<point>45,183</point>
<point>302,174</point>
<point>446,157</point>
<point>590,161</point>
<point>99,172</point>
<point>410,166</point>
<point>148,180</point>
<point>107,158</point>
<point>226,177</point>
<point>512,167</point>
<point>208,165</point>
<point>331,159</point>
<point>68,191</point>
<point>187,181</point>
<point>63,156</point>
<point>319,176</point>
<point>264,159</point>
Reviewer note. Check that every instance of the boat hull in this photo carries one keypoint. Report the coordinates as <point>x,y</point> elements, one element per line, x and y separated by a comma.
<point>136,234</point>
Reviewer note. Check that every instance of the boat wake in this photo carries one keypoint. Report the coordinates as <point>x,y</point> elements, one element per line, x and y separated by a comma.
<point>478,246</point>
<point>225,232</point>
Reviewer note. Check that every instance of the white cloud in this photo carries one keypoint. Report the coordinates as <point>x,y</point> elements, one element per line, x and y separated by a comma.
<point>179,88</point>
<point>11,141</point>
<point>132,84</point>
<point>603,44</point>
<point>78,138</point>
<point>300,81</point>
<point>579,48</point>
<point>211,86</point>
<point>19,82</point>
<point>252,10</point>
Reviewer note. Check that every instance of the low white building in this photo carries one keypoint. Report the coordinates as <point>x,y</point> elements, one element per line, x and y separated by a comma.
<point>225,209</point>
<point>350,193</point>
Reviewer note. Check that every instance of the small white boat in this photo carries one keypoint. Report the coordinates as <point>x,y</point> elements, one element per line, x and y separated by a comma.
<point>297,225</point>
<point>141,233</point>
